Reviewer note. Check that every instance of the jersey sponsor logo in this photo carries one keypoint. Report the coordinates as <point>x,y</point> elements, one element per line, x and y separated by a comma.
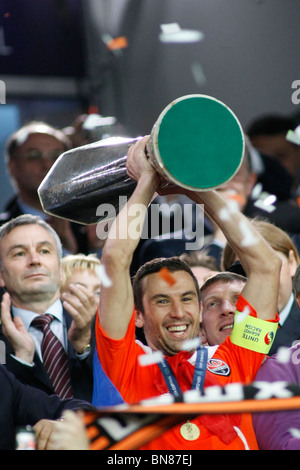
<point>218,367</point>
<point>269,337</point>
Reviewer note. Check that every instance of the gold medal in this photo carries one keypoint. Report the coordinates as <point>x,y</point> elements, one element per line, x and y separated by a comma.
<point>189,431</point>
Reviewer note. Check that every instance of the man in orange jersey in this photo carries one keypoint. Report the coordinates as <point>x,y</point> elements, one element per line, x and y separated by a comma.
<point>165,303</point>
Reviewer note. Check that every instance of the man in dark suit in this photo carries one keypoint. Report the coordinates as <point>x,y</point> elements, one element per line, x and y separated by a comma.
<point>30,153</point>
<point>22,405</point>
<point>30,253</point>
<point>290,330</point>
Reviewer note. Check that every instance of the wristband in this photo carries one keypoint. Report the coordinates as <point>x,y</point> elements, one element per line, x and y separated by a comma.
<point>253,333</point>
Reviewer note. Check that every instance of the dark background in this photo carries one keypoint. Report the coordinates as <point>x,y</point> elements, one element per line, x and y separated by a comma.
<point>55,63</point>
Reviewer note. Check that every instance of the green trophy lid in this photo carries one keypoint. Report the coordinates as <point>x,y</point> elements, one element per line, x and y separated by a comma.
<point>198,142</point>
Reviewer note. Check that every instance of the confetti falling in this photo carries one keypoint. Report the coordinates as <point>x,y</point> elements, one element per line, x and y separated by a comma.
<point>250,238</point>
<point>167,276</point>
<point>117,43</point>
<point>294,136</point>
<point>232,206</point>
<point>93,120</point>
<point>257,190</point>
<point>295,432</point>
<point>224,214</point>
<point>198,74</point>
<point>101,272</point>
<point>172,33</point>
<point>263,200</point>
<point>267,207</point>
<point>238,199</point>
<point>149,359</point>
<point>240,316</point>
<point>191,344</point>
<point>283,355</point>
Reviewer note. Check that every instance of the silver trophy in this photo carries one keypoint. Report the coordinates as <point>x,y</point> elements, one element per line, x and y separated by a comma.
<point>197,143</point>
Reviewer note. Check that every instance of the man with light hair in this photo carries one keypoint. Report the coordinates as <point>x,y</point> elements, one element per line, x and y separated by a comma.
<point>30,273</point>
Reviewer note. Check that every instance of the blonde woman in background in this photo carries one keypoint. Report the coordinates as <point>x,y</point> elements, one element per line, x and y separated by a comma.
<point>80,278</point>
<point>81,269</point>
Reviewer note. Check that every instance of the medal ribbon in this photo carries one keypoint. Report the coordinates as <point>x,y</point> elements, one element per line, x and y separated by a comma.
<point>198,378</point>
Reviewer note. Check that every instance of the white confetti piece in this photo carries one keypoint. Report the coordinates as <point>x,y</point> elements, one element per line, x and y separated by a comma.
<point>295,432</point>
<point>93,120</point>
<point>172,33</point>
<point>198,73</point>
<point>294,136</point>
<point>191,344</point>
<point>240,316</point>
<point>224,214</point>
<point>250,238</point>
<point>101,272</point>
<point>269,200</point>
<point>149,359</point>
<point>257,190</point>
<point>261,205</point>
<point>283,355</point>
<point>233,206</point>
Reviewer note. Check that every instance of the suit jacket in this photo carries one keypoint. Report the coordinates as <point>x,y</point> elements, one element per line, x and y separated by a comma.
<point>289,331</point>
<point>81,371</point>
<point>21,405</point>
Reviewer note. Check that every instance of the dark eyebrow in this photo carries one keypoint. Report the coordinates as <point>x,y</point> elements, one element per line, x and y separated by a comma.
<point>210,297</point>
<point>159,296</point>
<point>165,296</point>
<point>190,292</point>
<point>217,296</point>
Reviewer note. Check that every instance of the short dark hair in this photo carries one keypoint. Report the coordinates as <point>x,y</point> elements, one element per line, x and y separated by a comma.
<point>270,124</point>
<point>200,259</point>
<point>173,264</point>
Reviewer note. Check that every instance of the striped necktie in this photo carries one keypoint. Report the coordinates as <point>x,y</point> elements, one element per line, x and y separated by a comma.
<point>54,357</point>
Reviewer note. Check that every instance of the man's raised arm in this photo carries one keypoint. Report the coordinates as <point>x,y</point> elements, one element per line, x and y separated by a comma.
<point>116,302</point>
<point>259,260</point>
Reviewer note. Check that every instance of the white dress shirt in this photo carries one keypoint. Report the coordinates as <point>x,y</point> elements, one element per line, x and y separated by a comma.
<point>57,325</point>
<point>286,310</point>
